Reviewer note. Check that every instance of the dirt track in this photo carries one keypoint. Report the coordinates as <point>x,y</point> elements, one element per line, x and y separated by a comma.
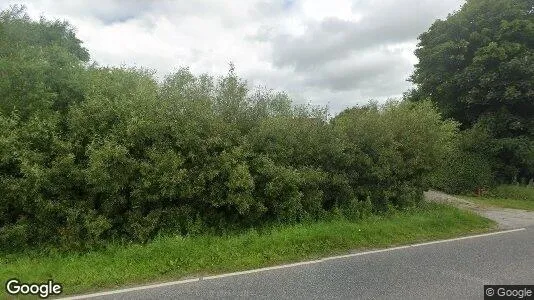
<point>507,218</point>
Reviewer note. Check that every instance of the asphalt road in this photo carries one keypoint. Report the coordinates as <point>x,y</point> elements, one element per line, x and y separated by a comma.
<point>455,269</point>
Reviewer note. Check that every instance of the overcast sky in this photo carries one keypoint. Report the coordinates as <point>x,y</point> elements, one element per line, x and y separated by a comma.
<point>335,52</point>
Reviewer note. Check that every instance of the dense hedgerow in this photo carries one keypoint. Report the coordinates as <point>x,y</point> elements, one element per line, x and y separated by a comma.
<point>468,167</point>
<point>91,154</point>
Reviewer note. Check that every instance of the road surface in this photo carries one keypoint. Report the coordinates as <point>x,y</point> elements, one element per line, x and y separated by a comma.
<point>455,269</point>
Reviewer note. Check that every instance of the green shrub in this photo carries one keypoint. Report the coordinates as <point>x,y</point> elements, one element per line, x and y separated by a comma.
<point>392,150</point>
<point>91,154</point>
<point>469,166</point>
<point>463,172</point>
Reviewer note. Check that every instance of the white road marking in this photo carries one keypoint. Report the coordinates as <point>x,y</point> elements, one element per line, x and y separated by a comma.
<point>469,237</point>
<point>153,286</point>
<point>137,288</point>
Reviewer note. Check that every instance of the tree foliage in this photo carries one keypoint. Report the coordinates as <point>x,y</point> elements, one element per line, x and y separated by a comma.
<point>92,154</point>
<point>478,66</point>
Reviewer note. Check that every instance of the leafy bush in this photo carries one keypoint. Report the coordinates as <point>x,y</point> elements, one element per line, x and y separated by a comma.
<point>91,154</point>
<point>463,172</point>
<point>393,149</point>
<point>469,166</point>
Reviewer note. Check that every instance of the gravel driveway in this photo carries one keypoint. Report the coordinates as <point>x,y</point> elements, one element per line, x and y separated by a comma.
<point>507,218</point>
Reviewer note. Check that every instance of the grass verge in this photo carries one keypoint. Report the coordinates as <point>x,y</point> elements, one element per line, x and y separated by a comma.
<point>171,258</point>
<point>502,202</point>
<point>507,196</point>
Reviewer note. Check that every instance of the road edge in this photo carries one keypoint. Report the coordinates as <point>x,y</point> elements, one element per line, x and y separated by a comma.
<point>291,265</point>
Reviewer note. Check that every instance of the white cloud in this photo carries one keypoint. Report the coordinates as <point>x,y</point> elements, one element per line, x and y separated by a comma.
<point>341,52</point>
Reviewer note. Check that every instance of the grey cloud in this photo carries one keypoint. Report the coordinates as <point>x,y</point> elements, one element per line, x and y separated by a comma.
<point>344,83</point>
<point>273,8</point>
<point>268,8</point>
<point>331,39</point>
<point>380,73</point>
<point>119,10</point>
<point>108,12</point>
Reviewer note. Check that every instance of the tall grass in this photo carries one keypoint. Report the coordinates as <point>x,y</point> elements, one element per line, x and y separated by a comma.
<point>516,192</point>
<point>175,257</point>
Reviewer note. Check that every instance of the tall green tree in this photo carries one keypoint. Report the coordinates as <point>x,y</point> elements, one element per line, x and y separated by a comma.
<point>41,64</point>
<point>478,66</point>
